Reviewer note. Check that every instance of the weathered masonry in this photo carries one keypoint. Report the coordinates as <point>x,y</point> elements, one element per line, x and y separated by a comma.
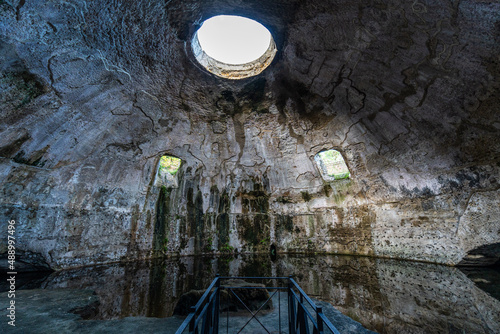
<point>406,93</point>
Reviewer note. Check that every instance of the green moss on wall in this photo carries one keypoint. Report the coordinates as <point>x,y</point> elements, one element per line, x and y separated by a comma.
<point>23,87</point>
<point>306,196</point>
<point>223,221</point>
<point>254,230</point>
<point>327,189</point>
<point>256,200</point>
<point>195,218</point>
<point>284,224</point>
<point>161,229</point>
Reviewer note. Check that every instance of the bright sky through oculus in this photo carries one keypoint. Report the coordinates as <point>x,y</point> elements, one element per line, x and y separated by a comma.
<point>233,39</point>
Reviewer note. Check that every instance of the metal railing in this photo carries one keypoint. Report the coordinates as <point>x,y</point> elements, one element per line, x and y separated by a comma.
<point>304,316</point>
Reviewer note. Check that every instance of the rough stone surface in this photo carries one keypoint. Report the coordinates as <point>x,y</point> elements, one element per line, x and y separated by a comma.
<point>27,262</point>
<point>384,295</point>
<point>94,92</point>
<point>46,311</point>
<point>43,311</point>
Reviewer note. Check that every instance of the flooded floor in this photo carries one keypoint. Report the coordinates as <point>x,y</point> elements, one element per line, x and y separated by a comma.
<point>386,296</point>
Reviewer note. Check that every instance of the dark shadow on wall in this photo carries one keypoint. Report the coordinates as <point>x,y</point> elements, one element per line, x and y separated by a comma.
<point>160,237</point>
<point>485,278</point>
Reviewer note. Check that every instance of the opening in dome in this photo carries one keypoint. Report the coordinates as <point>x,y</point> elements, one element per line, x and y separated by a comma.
<point>233,39</point>
<point>233,47</point>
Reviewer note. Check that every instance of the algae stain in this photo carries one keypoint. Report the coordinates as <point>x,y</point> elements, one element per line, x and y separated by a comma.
<point>312,229</point>
<point>341,190</point>
<point>195,218</point>
<point>256,200</point>
<point>327,189</point>
<point>223,221</point>
<point>162,216</point>
<point>306,196</point>
<point>339,198</point>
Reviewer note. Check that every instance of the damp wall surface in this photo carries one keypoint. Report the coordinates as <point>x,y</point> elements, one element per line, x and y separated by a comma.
<point>93,93</point>
<point>384,295</point>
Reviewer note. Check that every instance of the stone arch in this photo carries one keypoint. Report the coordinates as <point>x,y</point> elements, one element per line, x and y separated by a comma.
<point>332,165</point>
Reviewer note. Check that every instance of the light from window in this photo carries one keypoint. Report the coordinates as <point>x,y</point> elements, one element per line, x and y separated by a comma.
<point>167,170</point>
<point>169,164</point>
<point>332,165</point>
<point>233,39</point>
<point>233,47</point>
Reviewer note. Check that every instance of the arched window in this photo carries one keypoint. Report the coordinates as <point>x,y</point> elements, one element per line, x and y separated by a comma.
<point>167,171</point>
<point>332,165</point>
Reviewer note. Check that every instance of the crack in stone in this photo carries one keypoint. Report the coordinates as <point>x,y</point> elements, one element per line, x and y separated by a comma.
<point>349,130</point>
<point>18,9</point>
<point>188,150</point>
<point>422,9</point>
<point>53,27</point>
<point>303,175</point>
<point>426,90</point>
<point>340,78</point>
<point>226,160</point>
<point>146,115</point>
<point>112,68</point>
<point>359,92</point>
<point>51,76</point>
<point>480,314</point>
<point>468,202</point>
<point>394,139</point>
<point>318,73</point>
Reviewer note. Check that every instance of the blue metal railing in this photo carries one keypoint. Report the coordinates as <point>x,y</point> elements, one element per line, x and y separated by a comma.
<point>303,314</point>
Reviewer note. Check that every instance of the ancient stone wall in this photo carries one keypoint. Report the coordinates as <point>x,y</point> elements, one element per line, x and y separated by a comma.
<point>95,92</point>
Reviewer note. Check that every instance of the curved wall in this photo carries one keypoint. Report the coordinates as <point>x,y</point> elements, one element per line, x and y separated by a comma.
<point>95,93</point>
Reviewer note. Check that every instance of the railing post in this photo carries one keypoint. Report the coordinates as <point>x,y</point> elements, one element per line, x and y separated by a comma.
<point>193,320</point>
<point>301,315</point>
<point>319,319</point>
<point>291,307</point>
<point>217,305</point>
<point>204,318</point>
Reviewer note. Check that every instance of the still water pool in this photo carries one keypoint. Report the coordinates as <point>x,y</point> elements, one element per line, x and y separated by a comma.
<point>386,296</point>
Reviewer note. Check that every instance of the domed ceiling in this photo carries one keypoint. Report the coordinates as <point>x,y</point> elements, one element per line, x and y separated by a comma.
<point>95,92</point>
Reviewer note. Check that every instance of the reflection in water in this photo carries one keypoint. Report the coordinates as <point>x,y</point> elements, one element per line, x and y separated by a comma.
<point>386,296</point>
<point>486,278</point>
